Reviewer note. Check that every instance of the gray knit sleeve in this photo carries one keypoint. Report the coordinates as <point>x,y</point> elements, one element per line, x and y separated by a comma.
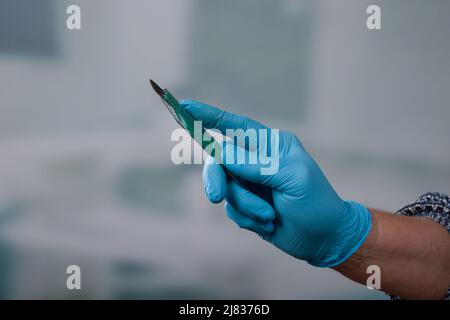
<point>433,206</point>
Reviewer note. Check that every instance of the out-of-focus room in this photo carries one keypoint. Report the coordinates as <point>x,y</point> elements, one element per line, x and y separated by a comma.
<point>85,171</point>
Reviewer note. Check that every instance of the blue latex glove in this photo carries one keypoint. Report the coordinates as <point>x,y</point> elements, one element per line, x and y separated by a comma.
<point>304,216</point>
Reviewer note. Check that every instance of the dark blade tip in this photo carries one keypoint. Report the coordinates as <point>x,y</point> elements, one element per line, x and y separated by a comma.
<point>157,88</point>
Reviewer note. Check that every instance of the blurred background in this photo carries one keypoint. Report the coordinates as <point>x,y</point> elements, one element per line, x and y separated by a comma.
<point>85,170</point>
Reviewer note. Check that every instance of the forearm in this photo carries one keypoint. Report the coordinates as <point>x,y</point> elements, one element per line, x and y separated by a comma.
<point>412,253</point>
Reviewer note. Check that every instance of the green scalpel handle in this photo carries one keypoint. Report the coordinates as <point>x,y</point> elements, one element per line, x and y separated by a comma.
<point>185,120</point>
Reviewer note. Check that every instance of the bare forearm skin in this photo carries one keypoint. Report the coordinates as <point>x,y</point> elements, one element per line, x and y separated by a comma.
<point>412,253</point>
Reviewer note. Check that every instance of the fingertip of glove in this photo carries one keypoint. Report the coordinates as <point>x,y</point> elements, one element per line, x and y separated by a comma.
<point>266,215</point>
<point>213,196</point>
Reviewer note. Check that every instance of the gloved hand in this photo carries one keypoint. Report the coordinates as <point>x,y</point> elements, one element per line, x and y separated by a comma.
<point>304,216</point>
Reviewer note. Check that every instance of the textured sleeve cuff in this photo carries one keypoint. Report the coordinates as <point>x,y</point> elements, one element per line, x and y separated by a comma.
<point>434,206</point>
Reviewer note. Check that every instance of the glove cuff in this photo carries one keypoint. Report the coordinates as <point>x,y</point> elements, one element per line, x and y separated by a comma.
<point>350,236</point>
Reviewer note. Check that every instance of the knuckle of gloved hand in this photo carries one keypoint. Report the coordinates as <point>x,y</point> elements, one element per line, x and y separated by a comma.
<point>290,136</point>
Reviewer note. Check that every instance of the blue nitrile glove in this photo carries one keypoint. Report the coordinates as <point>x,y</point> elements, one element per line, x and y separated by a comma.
<point>305,217</point>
